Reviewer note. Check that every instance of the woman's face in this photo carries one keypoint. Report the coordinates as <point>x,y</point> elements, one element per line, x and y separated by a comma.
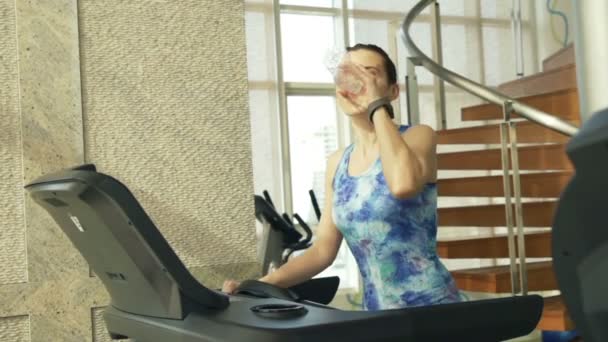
<point>374,64</point>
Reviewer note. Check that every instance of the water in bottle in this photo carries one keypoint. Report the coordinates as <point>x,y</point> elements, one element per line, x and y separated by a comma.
<point>344,72</point>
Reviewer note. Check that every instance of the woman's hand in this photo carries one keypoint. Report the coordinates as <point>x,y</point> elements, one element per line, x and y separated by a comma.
<point>230,286</point>
<point>372,89</point>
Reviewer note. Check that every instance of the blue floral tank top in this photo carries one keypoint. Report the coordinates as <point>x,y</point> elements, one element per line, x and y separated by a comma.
<point>393,240</point>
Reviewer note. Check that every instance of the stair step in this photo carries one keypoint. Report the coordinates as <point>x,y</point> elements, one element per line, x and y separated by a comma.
<point>546,184</point>
<point>527,132</point>
<point>536,214</point>
<point>540,157</point>
<point>544,82</point>
<point>538,245</point>
<point>555,315</point>
<point>561,58</point>
<point>563,104</point>
<point>497,279</point>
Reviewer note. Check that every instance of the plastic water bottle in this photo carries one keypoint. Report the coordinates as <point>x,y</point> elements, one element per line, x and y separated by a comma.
<point>344,72</point>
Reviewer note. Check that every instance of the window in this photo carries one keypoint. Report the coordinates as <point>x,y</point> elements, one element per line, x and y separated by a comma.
<point>263,98</point>
<point>313,136</point>
<point>305,38</point>
<point>311,3</point>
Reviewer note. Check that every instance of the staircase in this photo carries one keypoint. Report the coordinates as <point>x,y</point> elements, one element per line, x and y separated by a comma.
<point>553,90</point>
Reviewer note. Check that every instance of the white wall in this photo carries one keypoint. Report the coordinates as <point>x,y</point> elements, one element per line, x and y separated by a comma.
<point>547,45</point>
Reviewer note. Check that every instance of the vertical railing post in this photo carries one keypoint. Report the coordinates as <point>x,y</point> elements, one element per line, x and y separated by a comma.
<point>438,83</point>
<point>411,81</point>
<point>519,218</point>
<point>504,137</point>
<point>518,43</point>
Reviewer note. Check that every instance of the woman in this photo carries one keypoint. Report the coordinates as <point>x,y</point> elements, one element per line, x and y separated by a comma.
<point>381,197</point>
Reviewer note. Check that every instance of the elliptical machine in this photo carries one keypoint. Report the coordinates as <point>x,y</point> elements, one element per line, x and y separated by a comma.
<point>280,238</point>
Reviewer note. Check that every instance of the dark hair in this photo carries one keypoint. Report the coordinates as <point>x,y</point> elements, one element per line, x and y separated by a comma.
<point>391,70</point>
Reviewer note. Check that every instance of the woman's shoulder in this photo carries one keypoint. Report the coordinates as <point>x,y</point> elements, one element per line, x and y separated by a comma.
<point>333,161</point>
<point>417,129</point>
<point>334,158</point>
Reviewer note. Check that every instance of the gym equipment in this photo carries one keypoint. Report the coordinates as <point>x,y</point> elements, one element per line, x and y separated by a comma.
<point>280,238</point>
<point>580,231</point>
<point>155,298</point>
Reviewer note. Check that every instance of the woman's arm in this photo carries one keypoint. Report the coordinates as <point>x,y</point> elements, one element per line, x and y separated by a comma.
<point>409,161</point>
<point>320,255</point>
<point>325,247</point>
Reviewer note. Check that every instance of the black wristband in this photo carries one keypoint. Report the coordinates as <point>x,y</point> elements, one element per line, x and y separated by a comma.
<point>382,102</point>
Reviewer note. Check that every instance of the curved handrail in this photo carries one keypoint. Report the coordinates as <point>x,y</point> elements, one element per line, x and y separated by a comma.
<point>475,88</point>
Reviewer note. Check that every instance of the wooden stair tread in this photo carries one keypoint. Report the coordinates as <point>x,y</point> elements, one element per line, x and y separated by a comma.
<point>535,214</point>
<point>496,271</point>
<point>527,132</point>
<point>497,279</point>
<point>539,157</point>
<point>563,104</point>
<point>553,91</point>
<point>560,58</point>
<point>555,315</point>
<point>544,82</point>
<point>546,184</point>
<point>538,245</point>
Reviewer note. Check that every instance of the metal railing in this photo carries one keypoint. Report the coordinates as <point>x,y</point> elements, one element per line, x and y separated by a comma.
<point>473,87</point>
<point>508,132</point>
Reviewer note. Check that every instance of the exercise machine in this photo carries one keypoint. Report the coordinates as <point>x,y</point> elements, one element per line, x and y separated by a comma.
<point>580,231</point>
<point>280,238</point>
<point>155,298</point>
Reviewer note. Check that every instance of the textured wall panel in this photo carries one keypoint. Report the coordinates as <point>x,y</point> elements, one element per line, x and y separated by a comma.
<point>165,111</point>
<point>12,230</point>
<point>15,329</point>
<point>57,294</point>
<point>51,122</point>
<point>100,333</point>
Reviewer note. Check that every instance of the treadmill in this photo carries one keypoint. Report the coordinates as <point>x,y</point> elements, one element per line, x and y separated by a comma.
<point>154,298</point>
